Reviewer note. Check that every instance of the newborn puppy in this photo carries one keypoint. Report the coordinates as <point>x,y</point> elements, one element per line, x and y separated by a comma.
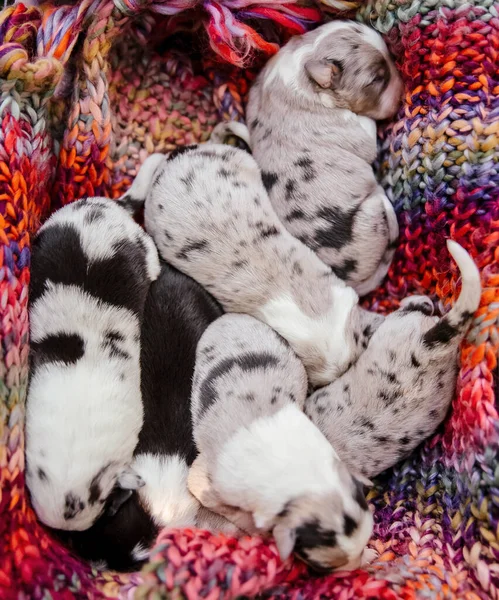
<point>210,216</point>
<point>401,387</point>
<point>311,115</point>
<point>260,454</point>
<point>91,268</point>
<point>177,312</point>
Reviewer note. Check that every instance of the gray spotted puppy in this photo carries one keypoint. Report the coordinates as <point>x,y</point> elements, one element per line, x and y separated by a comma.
<point>210,216</point>
<point>262,457</point>
<point>311,116</point>
<point>401,387</point>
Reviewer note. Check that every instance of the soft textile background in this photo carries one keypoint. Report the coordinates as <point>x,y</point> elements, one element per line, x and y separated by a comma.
<point>88,89</point>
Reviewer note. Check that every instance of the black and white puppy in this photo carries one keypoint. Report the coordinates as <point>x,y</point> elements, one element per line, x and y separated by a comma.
<point>177,312</point>
<point>400,389</point>
<point>92,267</point>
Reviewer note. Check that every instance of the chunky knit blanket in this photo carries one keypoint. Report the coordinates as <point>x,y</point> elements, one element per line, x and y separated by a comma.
<point>89,88</point>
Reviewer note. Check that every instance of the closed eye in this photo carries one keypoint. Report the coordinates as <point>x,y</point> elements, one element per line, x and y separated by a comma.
<point>377,80</point>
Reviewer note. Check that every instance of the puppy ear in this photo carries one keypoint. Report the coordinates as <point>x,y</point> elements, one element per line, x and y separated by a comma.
<point>129,479</point>
<point>285,539</point>
<point>421,304</point>
<point>262,520</point>
<point>363,479</point>
<point>326,73</point>
<point>116,500</point>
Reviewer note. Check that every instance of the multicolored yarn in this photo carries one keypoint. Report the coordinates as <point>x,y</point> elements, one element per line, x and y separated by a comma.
<point>85,96</point>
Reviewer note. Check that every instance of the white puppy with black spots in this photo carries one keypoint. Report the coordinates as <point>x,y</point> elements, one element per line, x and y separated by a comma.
<point>400,389</point>
<point>312,117</point>
<point>261,456</point>
<point>210,216</point>
<point>91,269</point>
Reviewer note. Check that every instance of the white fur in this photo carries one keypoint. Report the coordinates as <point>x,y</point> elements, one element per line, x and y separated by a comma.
<point>165,491</point>
<point>286,65</point>
<point>373,38</point>
<point>145,175</point>
<point>284,456</point>
<point>140,553</point>
<point>80,417</point>
<point>322,333</point>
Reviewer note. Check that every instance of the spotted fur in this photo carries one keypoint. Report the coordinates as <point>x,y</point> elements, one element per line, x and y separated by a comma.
<point>262,463</point>
<point>219,227</point>
<point>400,389</point>
<point>311,118</point>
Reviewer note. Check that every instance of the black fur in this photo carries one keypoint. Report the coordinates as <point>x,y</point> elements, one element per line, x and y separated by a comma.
<point>343,271</point>
<point>192,247</point>
<point>269,180</point>
<point>67,348</point>
<point>306,164</point>
<point>58,256</point>
<point>290,189</point>
<point>349,525</point>
<point>246,362</point>
<point>442,333</point>
<point>360,494</point>
<point>181,150</point>
<point>312,535</point>
<point>177,312</point>
<point>72,506</point>
<point>340,231</point>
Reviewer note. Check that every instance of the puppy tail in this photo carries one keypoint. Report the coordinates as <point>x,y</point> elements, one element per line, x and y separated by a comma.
<point>224,130</point>
<point>456,321</point>
<point>366,286</point>
<point>133,200</point>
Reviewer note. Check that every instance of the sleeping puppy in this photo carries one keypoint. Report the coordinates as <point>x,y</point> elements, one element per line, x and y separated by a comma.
<point>210,216</point>
<point>400,389</point>
<point>264,464</point>
<point>311,116</point>
<point>91,269</point>
<point>177,312</point>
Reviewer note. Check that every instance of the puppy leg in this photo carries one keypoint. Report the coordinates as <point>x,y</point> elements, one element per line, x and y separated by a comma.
<point>367,285</point>
<point>223,130</point>
<point>200,487</point>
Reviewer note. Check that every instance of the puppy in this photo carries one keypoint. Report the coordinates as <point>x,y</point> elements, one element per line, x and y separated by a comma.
<point>210,216</point>
<point>177,312</point>
<point>311,115</point>
<point>91,269</point>
<point>261,457</point>
<point>401,387</point>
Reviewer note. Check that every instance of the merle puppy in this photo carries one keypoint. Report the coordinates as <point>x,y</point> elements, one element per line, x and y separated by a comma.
<point>177,312</point>
<point>260,455</point>
<point>210,216</point>
<point>311,116</point>
<point>91,269</point>
<point>401,387</point>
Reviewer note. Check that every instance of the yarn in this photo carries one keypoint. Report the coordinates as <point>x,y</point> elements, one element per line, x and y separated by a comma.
<point>83,101</point>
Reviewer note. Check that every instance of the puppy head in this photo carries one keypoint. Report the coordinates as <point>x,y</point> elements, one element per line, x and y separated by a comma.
<point>82,426</point>
<point>345,65</point>
<point>328,531</point>
<point>75,506</point>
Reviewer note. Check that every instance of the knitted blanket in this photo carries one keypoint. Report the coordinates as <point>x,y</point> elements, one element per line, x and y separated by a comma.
<point>89,88</point>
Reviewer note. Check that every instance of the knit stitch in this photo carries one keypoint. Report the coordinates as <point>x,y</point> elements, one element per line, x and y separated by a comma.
<point>87,92</point>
